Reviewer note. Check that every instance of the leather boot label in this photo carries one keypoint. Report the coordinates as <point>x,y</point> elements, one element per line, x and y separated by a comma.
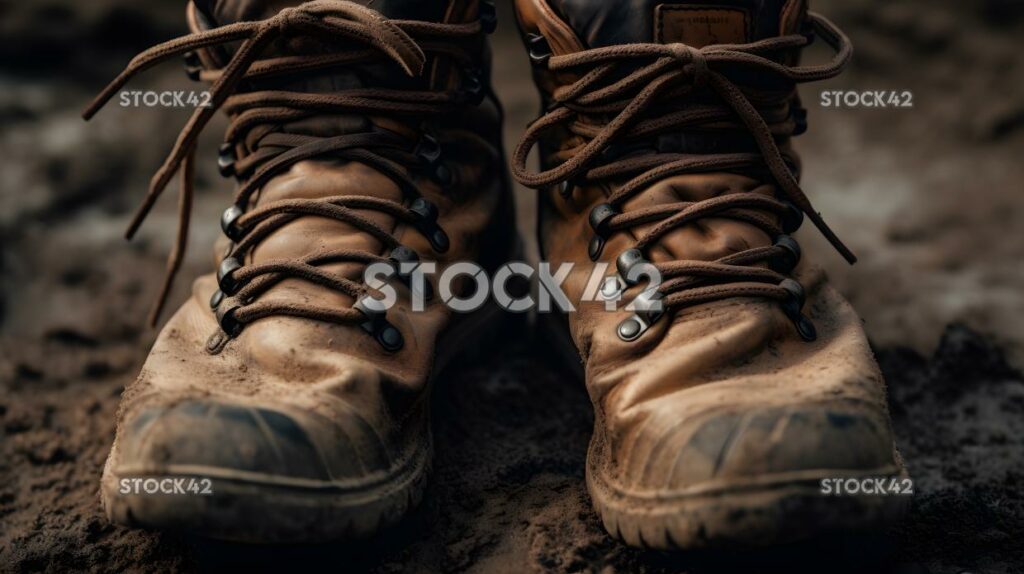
<point>700,26</point>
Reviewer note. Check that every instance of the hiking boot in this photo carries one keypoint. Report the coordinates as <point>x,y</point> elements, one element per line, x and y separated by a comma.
<point>665,154</point>
<point>283,404</point>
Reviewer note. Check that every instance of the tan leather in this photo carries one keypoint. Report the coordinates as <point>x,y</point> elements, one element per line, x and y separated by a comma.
<point>294,398</point>
<point>716,397</point>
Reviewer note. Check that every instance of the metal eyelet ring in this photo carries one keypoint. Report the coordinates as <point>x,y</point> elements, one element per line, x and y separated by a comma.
<point>228,221</point>
<point>788,259</point>
<point>231,326</point>
<point>426,222</point>
<point>612,288</point>
<point>377,325</point>
<point>403,254</point>
<point>226,159</point>
<point>796,291</point>
<point>428,150</point>
<point>193,65</point>
<point>599,219</point>
<point>565,189</point>
<point>793,307</point>
<point>473,87</point>
<point>225,275</point>
<point>538,49</point>
<point>636,325</point>
<point>488,17</point>
<point>647,315</point>
<point>626,261</point>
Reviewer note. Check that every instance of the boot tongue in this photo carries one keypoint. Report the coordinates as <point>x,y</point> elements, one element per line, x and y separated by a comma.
<point>223,12</point>
<point>697,23</point>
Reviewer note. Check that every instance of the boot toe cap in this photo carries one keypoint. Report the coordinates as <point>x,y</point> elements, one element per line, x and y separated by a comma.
<point>807,440</point>
<point>221,437</point>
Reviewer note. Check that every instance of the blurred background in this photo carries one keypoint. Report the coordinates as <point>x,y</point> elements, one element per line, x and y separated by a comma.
<point>931,198</point>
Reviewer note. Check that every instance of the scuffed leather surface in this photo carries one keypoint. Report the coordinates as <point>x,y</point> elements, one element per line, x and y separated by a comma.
<point>331,386</point>
<point>720,391</point>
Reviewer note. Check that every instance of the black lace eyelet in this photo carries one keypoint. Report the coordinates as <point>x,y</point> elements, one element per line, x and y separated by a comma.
<point>538,49</point>
<point>225,275</point>
<point>403,254</point>
<point>599,218</point>
<point>648,312</point>
<point>626,261</point>
<point>231,326</point>
<point>797,295</point>
<point>426,222</point>
<point>565,188</point>
<point>633,327</point>
<point>377,325</point>
<point>488,17</point>
<point>193,65</point>
<point>472,87</point>
<point>226,159</point>
<point>793,308</point>
<point>428,150</point>
<point>228,221</point>
<point>789,258</point>
<point>595,247</point>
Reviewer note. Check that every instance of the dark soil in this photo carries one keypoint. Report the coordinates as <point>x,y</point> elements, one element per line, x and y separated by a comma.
<point>930,199</point>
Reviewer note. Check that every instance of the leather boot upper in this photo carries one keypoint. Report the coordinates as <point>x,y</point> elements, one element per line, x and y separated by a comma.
<point>701,182</point>
<point>353,139</point>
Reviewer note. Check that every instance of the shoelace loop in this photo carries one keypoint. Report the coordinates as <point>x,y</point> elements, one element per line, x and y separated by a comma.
<point>626,83</point>
<point>257,116</point>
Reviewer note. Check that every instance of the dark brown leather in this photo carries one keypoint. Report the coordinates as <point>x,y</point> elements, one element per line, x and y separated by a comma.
<point>624,22</point>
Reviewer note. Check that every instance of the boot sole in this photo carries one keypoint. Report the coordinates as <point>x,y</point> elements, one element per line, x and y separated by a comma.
<point>257,507</point>
<point>766,511</point>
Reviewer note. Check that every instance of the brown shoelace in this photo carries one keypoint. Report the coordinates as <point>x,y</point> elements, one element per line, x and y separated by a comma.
<point>257,117</point>
<point>632,83</point>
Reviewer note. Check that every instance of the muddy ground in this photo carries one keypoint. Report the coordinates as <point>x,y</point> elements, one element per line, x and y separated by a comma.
<point>931,199</point>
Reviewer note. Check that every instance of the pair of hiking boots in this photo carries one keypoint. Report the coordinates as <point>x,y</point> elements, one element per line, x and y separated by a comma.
<point>367,132</point>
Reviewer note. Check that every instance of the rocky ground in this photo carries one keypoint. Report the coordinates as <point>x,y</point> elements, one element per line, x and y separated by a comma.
<point>929,197</point>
